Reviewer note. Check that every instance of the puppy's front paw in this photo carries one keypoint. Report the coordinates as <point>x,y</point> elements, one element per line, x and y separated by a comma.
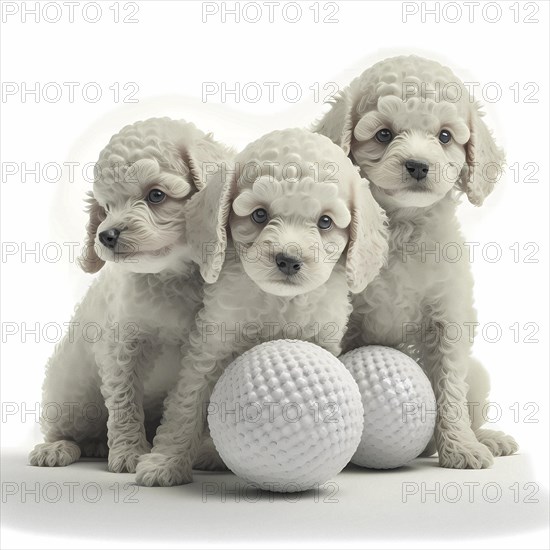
<point>498,443</point>
<point>156,469</point>
<point>58,453</point>
<point>125,459</point>
<point>465,455</point>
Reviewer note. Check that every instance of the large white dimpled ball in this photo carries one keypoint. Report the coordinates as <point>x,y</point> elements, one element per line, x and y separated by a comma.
<point>399,406</point>
<point>286,416</point>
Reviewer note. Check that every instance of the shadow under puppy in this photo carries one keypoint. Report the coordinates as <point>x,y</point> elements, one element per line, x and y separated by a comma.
<point>304,231</point>
<point>113,369</point>
<point>414,131</point>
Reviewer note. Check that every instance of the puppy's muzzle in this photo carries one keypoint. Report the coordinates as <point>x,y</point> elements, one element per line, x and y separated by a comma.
<point>418,169</point>
<point>109,237</point>
<point>287,264</point>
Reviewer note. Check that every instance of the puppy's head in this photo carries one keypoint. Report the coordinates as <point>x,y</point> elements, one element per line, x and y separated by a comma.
<point>414,130</point>
<point>294,206</point>
<point>143,177</point>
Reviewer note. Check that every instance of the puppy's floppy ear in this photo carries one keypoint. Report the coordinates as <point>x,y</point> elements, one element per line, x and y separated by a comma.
<point>205,158</point>
<point>89,261</point>
<point>368,240</point>
<point>484,160</point>
<point>337,124</point>
<point>207,217</point>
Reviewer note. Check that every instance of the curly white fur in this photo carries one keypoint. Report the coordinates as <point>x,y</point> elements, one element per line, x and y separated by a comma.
<point>110,374</point>
<point>296,177</point>
<point>417,297</point>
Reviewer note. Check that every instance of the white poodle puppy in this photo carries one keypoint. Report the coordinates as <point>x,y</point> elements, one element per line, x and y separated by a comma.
<point>304,230</point>
<point>417,135</point>
<point>112,370</point>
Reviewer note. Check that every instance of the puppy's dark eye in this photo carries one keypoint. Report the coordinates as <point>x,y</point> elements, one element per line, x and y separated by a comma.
<point>156,195</point>
<point>324,222</point>
<point>384,135</point>
<point>445,136</point>
<point>259,215</point>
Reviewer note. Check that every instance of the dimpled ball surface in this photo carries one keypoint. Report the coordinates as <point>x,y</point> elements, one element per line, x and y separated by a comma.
<point>398,403</point>
<point>286,415</point>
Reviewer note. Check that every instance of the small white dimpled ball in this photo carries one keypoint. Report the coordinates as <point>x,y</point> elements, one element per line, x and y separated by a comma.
<point>398,403</point>
<point>286,416</point>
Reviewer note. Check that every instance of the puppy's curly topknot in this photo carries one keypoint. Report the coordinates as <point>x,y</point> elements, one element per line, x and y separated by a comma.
<point>406,77</point>
<point>293,153</point>
<point>159,139</point>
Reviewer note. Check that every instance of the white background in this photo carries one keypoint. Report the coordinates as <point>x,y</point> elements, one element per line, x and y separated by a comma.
<point>169,53</point>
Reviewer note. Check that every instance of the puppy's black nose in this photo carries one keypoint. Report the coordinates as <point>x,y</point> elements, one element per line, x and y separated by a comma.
<point>287,264</point>
<point>417,168</point>
<point>109,237</point>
